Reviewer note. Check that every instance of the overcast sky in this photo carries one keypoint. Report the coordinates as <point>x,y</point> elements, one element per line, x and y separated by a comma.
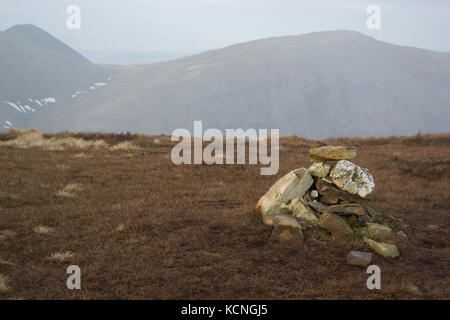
<point>126,31</point>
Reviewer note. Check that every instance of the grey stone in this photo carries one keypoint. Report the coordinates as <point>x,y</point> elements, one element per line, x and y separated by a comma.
<point>291,186</point>
<point>358,258</point>
<point>302,211</point>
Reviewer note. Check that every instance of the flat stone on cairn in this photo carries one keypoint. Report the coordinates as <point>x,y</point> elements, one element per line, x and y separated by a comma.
<point>332,153</point>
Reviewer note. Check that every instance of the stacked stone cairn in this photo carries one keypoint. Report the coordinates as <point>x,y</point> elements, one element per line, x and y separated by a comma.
<point>330,195</point>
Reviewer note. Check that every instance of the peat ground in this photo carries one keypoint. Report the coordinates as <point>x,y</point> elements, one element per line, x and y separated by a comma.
<point>141,227</point>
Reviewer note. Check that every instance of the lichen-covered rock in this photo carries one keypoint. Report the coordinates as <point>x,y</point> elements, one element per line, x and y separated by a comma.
<point>378,231</point>
<point>286,228</point>
<point>301,211</point>
<point>293,185</point>
<point>384,249</point>
<point>358,258</point>
<point>319,169</point>
<point>352,178</point>
<point>335,224</point>
<point>331,153</point>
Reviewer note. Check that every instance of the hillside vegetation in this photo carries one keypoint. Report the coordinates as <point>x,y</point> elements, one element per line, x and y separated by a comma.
<point>142,227</point>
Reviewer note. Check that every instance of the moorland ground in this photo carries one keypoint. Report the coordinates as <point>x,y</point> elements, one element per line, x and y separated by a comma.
<point>141,227</point>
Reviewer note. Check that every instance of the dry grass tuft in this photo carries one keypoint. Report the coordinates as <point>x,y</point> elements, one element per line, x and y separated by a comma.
<point>81,155</point>
<point>43,230</point>
<point>32,138</point>
<point>61,256</point>
<point>120,227</point>
<point>6,234</point>
<point>3,281</point>
<point>126,146</point>
<point>70,190</point>
<point>5,262</point>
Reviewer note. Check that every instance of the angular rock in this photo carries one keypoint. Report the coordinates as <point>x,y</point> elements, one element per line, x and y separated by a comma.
<point>303,212</point>
<point>293,185</point>
<point>378,231</point>
<point>299,186</point>
<point>328,199</point>
<point>287,221</point>
<point>319,169</point>
<point>384,249</point>
<point>319,207</point>
<point>332,192</point>
<point>330,153</point>
<point>286,228</point>
<point>335,224</point>
<point>347,209</point>
<point>352,178</point>
<point>358,258</point>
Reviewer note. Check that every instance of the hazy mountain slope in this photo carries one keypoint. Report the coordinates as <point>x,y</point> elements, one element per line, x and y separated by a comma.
<point>315,85</point>
<point>35,70</point>
<point>31,33</point>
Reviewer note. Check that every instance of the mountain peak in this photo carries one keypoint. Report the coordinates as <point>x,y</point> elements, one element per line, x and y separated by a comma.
<point>32,33</point>
<point>25,26</point>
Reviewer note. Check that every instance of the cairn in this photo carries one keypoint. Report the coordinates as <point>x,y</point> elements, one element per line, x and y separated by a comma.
<point>330,195</point>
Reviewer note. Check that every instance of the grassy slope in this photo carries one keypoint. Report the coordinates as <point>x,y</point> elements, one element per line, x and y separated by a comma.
<point>141,227</point>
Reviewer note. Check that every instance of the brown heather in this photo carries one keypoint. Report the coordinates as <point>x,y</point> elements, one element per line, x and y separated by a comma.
<point>141,227</point>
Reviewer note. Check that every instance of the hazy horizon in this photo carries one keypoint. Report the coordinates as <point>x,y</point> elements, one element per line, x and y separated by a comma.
<point>138,31</point>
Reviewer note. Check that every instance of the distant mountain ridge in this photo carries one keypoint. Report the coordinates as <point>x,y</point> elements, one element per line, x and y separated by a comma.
<point>317,85</point>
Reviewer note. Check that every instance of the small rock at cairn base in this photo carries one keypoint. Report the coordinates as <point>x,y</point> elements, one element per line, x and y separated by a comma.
<point>286,228</point>
<point>335,224</point>
<point>332,153</point>
<point>358,258</point>
<point>384,249</point>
